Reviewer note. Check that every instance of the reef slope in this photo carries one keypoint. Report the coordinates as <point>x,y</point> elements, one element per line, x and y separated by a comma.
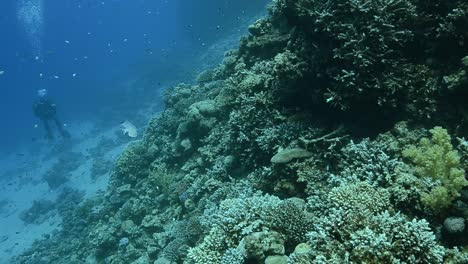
<point>333,134</point>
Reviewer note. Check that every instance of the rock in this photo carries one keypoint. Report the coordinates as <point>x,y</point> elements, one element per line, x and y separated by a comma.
<point>128,227</point>
<point>460,208</point>
<point>454,225</point>
<point>142,260</point>
<point>91,259</point>
<point>162,260</point>
<point>186,144</point>
<point>229,161</point>
<point>277,259</point>
<point>286,155</point>
<point>464,195</point>
<point>285,186</point>
<point>258,245</point>
<point>302,248</point>
<point>125,189</point>
<point>202,109</point>
<point>207,107</point>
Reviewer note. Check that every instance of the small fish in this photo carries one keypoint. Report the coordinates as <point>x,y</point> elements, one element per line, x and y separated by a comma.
<point>36,125</point>
<point>125,40</point>
<point>3,238</point>
<point>149,51</point>
<point>65,125</point>
<point>36,58</point>
<point>66,41</point>
<point>40,75</point>
<point>74,75</point>
<point>2,72</point>
<point>56,77</point>
<point>85,57</point>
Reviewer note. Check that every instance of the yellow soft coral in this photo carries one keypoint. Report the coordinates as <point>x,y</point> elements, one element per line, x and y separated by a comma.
<point>435,158</point>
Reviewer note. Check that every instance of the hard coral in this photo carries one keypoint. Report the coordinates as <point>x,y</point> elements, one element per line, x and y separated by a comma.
<point>242,221</point>
<point>358,228</point>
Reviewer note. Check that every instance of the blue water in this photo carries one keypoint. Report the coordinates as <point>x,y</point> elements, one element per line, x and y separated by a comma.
<point>95,47</point>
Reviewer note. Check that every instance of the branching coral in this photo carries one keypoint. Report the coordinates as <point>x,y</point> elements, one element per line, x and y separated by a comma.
<point>358,228</point>
<point>244,220</point>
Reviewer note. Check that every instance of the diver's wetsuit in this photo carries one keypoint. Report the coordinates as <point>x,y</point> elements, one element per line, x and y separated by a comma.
<point>46,110</point>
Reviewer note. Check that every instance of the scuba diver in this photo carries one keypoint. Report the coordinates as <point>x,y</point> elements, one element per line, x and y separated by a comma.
<point>46,110</point>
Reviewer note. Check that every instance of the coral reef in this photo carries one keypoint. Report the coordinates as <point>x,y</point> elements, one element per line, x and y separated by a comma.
<point>368,232</point>
<point>308,144</point>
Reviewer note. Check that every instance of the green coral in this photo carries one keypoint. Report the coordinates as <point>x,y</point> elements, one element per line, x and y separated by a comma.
<point>435,159</point>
